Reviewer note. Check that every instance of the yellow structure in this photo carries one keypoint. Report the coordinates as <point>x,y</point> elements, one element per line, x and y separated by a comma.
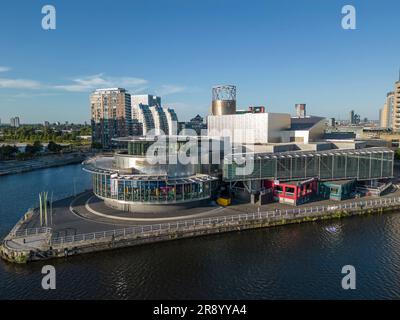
<point>224,201</point>
<point>385,112</point>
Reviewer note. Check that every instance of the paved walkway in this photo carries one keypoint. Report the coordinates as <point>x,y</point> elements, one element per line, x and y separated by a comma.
<point>32,242</point>
<point>86,214</point>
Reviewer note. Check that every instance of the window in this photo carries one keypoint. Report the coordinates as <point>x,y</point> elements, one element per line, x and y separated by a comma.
<point>290,190</point>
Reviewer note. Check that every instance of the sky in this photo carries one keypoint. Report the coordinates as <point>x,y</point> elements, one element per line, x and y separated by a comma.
<point>277,53</point>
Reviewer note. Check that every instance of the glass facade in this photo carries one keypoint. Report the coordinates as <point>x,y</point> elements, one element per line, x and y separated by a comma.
<point>362,164</point>
<point>151,191</point>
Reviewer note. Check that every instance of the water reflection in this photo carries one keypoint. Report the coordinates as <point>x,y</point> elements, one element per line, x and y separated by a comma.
<point>295,261</point>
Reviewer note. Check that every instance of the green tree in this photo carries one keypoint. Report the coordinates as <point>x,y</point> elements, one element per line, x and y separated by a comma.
<point>54,147</point>
<point>397,154</point>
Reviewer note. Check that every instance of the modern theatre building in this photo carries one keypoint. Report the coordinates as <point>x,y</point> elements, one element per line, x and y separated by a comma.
<point>251,155</point>
<point>130,177</point>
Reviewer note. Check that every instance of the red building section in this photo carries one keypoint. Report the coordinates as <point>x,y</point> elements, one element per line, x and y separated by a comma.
<point>293,192</point>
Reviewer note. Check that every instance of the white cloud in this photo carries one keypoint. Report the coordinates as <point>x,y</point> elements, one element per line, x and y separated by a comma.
<point>4,69</point>
<point>167,89</point>
<point>90,83</point>
<point>19,84</point>
<point>100,81</point>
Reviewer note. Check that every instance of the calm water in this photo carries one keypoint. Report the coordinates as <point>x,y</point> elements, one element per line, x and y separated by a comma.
<point>299,261</point>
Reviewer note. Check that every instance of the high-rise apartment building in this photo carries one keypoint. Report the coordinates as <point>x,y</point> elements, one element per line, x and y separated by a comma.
<point>145,99</point>
<point>111,115</point>
<point>172,120</point>
<point>149,117</point>
<point>142,118</point>
<point>160,120</point>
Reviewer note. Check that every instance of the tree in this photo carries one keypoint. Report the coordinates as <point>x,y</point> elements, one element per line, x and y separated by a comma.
<point>97,145</point>
<point>54,147</point>
<point>8,152</point>
<point>35,148</point>
<point>397,154</point>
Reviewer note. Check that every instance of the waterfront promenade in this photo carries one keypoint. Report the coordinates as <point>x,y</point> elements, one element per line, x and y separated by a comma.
<point>83,224</point>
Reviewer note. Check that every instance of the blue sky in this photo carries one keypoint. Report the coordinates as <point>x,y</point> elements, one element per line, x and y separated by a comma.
<point>278,53</point>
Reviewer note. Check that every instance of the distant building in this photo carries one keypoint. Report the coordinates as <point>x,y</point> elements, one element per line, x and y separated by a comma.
<point>111,115</point>
<point>332,122</point>
<point>197,124</point>
<point>46,124</point>
<point>14,122</point>
<point>256,109</point>
<point>354,117</point>
<point>300,110</point>
<point>386,113</point>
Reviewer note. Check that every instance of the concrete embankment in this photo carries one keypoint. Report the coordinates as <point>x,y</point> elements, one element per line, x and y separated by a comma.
<point>50,247</point>
<point>13,167</point>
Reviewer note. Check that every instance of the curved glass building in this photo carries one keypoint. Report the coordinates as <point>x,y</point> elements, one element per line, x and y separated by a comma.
<point>132,177</point>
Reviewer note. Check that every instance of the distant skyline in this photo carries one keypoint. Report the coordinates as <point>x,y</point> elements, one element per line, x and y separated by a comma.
<point>277,53</point>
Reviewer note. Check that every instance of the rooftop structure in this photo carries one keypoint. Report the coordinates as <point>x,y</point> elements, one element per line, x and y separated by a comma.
<point>223,100</point>
<point>300,110</point>
<point>249,127</point>
<point>361,164</point>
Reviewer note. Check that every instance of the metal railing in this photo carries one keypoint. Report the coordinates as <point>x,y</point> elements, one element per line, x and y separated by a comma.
<point>205,223</point>
<point>30,232</point>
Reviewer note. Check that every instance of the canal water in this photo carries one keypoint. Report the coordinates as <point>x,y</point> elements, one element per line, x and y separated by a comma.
<point>299,261</point>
